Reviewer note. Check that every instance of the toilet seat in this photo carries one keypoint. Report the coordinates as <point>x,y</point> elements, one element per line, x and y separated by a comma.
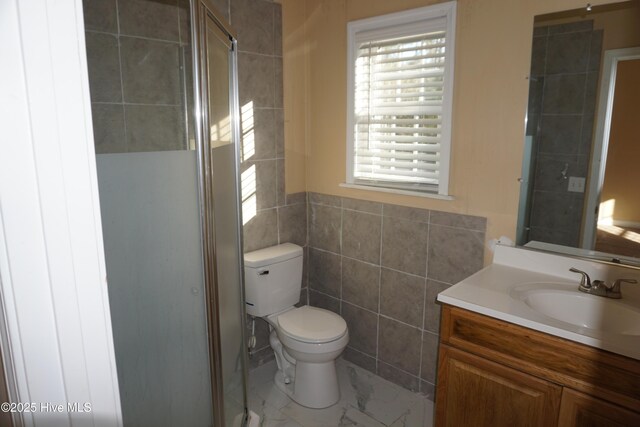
<point>312,325</point>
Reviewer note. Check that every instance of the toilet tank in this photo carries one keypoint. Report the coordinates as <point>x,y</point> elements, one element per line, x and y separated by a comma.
<point>272,279</point>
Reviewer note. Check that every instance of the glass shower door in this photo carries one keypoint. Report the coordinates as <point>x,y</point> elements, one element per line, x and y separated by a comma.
<point>151,204</point>
<point>218,85</point>
<point>168,181</point>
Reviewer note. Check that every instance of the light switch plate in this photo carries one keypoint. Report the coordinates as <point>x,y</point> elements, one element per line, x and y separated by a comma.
<point>576,184</point>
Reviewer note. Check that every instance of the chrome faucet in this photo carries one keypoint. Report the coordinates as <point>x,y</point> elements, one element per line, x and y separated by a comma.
<point>599,287</point>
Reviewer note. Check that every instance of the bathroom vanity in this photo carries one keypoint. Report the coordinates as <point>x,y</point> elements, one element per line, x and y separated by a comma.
<point>522,348</point>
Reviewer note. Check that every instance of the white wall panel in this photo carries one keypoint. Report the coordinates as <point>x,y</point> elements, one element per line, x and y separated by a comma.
<point>54,290</point>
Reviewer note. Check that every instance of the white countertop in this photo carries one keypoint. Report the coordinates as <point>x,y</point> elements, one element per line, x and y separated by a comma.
<point>490,292</point>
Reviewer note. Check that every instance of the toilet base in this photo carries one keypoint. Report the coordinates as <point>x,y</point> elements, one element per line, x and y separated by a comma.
<point>315,385</point>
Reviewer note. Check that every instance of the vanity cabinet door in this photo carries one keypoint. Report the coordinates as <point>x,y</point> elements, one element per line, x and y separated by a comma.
<point>581,410</point>
<point>473,391</point>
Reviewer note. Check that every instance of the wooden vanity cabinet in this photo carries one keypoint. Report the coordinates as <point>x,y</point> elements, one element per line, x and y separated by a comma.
<point>494,373</point>
<point>579,409</point>
<point>483,393</point>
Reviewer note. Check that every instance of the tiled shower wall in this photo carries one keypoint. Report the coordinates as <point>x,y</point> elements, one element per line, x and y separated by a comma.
<point>270,215</point>
<point>139,60</point>
<point>564,78</point>
<point>138,57</point>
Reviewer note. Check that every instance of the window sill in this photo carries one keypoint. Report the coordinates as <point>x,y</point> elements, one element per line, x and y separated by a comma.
<point>396,191</point>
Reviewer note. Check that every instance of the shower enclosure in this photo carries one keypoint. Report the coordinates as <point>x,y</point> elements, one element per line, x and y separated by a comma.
<point>164,102</point>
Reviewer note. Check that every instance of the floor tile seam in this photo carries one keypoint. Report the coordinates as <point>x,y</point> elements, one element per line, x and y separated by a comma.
<point>383,381</point>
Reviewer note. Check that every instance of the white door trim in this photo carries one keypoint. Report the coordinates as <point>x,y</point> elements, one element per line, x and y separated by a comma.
<point>58,342</point>
<point>601,139</point>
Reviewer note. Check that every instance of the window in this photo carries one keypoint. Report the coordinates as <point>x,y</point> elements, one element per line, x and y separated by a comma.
<point>399,99</point>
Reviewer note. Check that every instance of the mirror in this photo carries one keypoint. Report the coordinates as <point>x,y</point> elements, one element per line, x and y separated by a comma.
<point>580,179</point>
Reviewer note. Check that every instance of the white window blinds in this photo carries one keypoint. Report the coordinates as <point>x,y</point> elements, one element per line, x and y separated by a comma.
<point>400,107</point>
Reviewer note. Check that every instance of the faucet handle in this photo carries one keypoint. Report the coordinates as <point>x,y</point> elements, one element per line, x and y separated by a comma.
<point>585,282</point>
<point>615,289</point>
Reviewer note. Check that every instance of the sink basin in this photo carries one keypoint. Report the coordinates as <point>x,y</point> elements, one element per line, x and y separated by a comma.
<point>581,309</point>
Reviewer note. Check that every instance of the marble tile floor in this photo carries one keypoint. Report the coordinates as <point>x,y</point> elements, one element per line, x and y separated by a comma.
<point>365,400</point>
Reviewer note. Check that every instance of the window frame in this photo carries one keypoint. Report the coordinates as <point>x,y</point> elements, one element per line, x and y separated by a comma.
<point>392,25</point>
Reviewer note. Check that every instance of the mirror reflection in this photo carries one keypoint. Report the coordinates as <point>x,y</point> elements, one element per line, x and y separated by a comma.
<point>580,177</point>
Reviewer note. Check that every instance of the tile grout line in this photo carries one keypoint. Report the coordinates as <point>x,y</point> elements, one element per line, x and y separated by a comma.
<point>306,212</point>
<point>584,96</point>
<point>379,288</point>
<point>277,211</point>
<point>424,305</point>
<point>341,251</point>
<point>124,110</point>
<point>118,35</point>
<point>136,104</point>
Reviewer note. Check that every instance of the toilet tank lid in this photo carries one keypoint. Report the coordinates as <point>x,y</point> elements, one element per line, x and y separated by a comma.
<point>272,255</point>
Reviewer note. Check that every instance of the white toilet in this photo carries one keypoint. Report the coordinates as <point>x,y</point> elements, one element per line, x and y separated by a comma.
<point>306,340</point>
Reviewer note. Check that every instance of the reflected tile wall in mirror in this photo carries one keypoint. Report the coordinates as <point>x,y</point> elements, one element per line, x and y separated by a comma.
<point>563,143</point>
<point>564,74</point>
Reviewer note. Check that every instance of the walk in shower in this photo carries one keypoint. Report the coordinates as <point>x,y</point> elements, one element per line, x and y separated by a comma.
<point>167,161</point>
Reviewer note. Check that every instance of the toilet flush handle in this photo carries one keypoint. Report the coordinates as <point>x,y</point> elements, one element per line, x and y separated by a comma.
<point>263,272</point>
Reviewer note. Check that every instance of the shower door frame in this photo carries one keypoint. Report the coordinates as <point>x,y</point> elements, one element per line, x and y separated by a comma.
<point>201,10</point>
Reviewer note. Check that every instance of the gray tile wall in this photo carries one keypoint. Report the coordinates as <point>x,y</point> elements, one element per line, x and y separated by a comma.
<point>564,70</point>
<point>381,266</point>
<point>139,62</point>
<point>271,216</point>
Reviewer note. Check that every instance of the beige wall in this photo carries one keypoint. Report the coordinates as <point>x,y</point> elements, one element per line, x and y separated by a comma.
<point>623,174</point>
<point>294,58</point>
<point>622,28</point>
<point>493,53</point>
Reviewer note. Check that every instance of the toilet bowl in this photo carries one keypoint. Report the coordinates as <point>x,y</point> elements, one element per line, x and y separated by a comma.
<point>306,340</point>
